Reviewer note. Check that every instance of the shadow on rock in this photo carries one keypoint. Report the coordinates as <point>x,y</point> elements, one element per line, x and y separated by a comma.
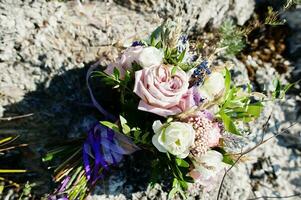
<point>62,111</point>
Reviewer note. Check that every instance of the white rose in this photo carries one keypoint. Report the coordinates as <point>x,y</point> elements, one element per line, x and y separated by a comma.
<point>150,56</point>
<point>213,87</point>
<point>208,168</point>
<point>175,138</point>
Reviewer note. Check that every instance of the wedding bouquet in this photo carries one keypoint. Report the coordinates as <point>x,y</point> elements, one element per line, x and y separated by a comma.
<point>159,96</point>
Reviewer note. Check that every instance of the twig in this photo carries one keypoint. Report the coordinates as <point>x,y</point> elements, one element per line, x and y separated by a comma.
<point>15,117</point>
<point>276,197</point>
<point>10,182</point>
<point>246,152</point>
<point>12,171</point>
<point>7,140</point>
<point>13,147</point>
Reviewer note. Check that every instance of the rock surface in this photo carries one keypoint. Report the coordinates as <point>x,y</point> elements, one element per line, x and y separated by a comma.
<point>196,14</point>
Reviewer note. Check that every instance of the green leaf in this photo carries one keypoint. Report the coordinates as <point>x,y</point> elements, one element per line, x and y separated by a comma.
<point>159,45</point>
<point>229,124</point>
<point>227,159</point>
<point>125,128</point>
<point>227,81</point>
<point>5,140</point>
<point>144,137</point>
<point>51,154</point>
<point>182,163</point>
<point>181,56</point>
<point>110,125</point>
<point>189,179</point>
<point>287,87</point>
<point>277,84</point>
<point>254,109</point>
<point>174,70</point>
<point>172,193</point>
<point>116,73</point>
<point>122,120</point>
<point>229,97</point>
<point>184,185</point>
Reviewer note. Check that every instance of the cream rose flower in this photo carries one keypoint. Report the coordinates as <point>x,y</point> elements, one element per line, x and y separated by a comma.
<point>175,138</point>
<point>125,62</point>
<point>144,56</point>
<point>213,87</point>
<point>208,169</point>
<point>150,56</point>
<point>160,91</point>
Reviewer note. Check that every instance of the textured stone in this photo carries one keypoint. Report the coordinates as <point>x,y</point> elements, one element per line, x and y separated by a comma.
<point>196,14</point>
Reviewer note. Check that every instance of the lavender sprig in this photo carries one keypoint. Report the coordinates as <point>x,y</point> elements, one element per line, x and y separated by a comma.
<point>200,73</point>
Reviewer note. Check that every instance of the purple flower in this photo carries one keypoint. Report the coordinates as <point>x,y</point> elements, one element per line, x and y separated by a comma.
<point>137,43</point>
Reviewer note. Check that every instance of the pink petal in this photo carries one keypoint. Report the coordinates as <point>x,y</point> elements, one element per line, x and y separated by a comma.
<point>157,110</point>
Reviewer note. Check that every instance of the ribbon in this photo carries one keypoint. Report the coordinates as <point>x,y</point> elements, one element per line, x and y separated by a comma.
<point>104,147</point>
<point>106,114</point>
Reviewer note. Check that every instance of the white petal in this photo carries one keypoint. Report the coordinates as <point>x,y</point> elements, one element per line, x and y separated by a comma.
<point>184,154</point>
<point>157,126</point>
<point>156,143</point>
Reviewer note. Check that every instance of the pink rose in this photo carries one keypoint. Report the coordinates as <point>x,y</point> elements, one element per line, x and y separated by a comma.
<point>160,91</point>
<point>125,62</point>
<point>190,99</point>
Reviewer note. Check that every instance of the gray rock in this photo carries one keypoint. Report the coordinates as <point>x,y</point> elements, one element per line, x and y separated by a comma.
<point>293,19</point>
<point>196,14</point>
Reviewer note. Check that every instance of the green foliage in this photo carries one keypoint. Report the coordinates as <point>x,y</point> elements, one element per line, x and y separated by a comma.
<point>135,133</point>
<point>26,191</point>
<point>110,125</point>
<point>182,163</point>
<point>237,105</point>
<point>173,56</point>
<point>111,80</point>
<point>229,123</point>
<point>166,37</point>
<point>272,18</point>
<point>280,90</point>
<point>174,70</point>
<point>231,37</point>
<point>70,154</point>
<point>226,157</point>
<point>187,66</point>
<point>179,168</point>
<point>5,144</point>
<point>290,3</point>
<point>176,189</point>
